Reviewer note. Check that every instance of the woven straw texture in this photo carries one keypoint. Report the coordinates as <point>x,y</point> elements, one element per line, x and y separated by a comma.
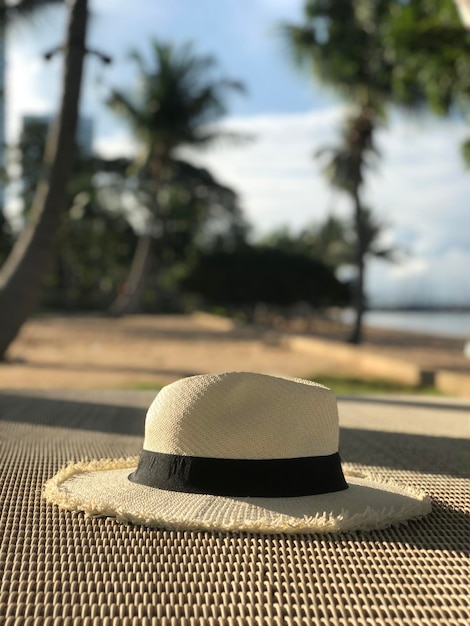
<point>62,568</point>
<point>207,416</point>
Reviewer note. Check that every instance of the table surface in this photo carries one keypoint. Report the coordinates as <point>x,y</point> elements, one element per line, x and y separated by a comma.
<point>61,567</point>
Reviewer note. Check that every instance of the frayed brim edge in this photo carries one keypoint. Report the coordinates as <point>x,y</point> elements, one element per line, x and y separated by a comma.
<point>369,519</point>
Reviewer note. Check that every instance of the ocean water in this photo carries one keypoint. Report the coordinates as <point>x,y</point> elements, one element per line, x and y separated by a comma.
<point>447,324</point>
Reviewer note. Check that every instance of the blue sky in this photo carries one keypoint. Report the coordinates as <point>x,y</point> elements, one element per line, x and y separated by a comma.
<point>420,187</point>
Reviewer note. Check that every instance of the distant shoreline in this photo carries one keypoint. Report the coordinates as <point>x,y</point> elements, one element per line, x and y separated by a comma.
<point>422,308</point>
<point>453,324</point>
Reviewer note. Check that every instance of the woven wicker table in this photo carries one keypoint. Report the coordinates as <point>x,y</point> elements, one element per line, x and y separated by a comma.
<point>60,568</point>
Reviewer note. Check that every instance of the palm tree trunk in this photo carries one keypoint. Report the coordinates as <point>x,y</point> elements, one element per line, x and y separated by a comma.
<point>23,272</point>
<point>360,142</point>
<point>358,294</point>
<point>130,299</point>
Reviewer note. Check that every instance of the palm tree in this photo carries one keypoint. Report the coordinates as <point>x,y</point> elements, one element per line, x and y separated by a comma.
<point>196,212</point>
<point>341,42</point>
<point>345,168</point>
<point>323,241</point>
<point>176,102</point>
<point>355,49</point>
<point>22,274</point>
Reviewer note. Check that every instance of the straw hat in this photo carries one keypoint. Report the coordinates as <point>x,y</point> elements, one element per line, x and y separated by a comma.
<point>241,452</point>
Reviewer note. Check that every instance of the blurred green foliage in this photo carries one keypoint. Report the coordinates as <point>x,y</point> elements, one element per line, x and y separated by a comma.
<point>203,254</point>
<point>249,275</point>
<point>176,99</point>
<point>348,385</point>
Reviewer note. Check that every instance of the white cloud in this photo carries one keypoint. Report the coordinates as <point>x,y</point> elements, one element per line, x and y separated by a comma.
<point>120,144</point>
<point>275,173</point>
<point>427,280</point>
<point>422,187</point>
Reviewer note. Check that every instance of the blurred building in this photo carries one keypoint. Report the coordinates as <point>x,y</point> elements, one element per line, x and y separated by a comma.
<point>84,130</point>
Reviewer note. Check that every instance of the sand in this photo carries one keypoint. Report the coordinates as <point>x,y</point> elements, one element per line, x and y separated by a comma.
<point>93,352</point>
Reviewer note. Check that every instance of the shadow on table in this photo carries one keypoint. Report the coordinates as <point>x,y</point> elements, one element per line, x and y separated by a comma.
<point>400,451</point>
<point>421,453</point>
<point>59,413</point>
<point>440,405</point>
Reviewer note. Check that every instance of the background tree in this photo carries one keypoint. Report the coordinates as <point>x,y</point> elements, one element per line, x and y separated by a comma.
<point>23,272</point>
<point>432,50</point>
<point>28,156</point>
<point>375,53</point>
<point>93,250</point>
<point>196,214</point>
<point>176,100</point>
<point>333,241</point>
<point>95,240</point>
<point>325,241</point>
<point>341,42</point>
<point>246,276</point>
<point>345,169</point>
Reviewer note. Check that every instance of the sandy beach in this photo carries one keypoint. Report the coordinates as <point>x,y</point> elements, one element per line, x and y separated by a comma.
<point>92,352</point>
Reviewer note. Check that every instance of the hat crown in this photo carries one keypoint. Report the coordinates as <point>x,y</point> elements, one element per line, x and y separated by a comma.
<point>243,415</point>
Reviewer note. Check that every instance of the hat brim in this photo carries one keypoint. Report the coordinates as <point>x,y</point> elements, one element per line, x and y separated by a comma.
<point>102,488</point>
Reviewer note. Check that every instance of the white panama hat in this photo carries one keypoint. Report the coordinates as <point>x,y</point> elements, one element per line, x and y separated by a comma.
<point>238,452</point>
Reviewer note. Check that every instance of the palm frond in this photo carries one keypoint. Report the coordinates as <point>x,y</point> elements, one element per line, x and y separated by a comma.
<point>299,42</point>
<point>391,255</point>
<point>121,104</point>
<point>185,171</point>
<point>178,100</point>
<point>136,57</point>
<point>228,84</point>
<point>209,137</point>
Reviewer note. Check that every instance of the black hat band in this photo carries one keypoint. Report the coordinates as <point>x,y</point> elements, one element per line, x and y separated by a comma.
<point>263,478</point>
